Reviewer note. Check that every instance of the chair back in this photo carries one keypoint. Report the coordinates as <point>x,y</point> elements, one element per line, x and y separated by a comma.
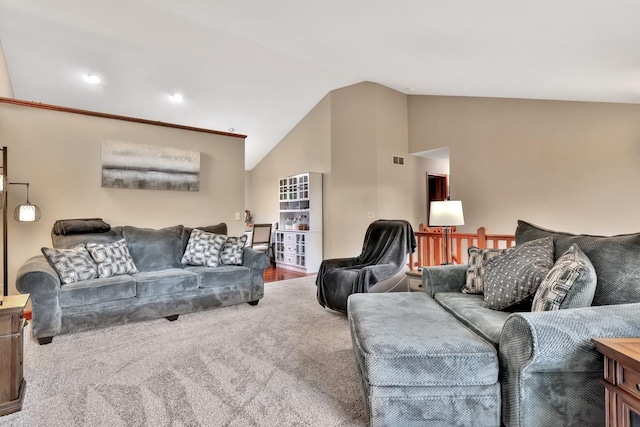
<point>261,236</point>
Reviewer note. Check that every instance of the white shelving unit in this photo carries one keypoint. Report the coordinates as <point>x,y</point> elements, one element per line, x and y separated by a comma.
<point>299,236</point>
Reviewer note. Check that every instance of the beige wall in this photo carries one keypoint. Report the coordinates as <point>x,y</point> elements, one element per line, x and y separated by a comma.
<point>59,155</point>
<point>350,136</point>
<point>304,149</point>
<point>570,166</point>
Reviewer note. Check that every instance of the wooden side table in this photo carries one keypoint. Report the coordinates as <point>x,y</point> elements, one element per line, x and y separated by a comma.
<point>621,380</point>
<point>12,323</point>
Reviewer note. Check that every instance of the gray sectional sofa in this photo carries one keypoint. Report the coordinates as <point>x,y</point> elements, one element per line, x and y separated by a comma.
<point>161,287</point>
<point>441,357</point>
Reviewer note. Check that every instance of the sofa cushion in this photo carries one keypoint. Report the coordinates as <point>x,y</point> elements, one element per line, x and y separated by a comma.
<point>514,277</point>
<point>154,250</point>
<point>475,272</point>
<point>470,311</point>
<point>616,260</point>
<point>72,265</point>
<point>170,281</point>
<point>97,290</point>
<point>66,242</point>
<point>571,283</point>
<point>203,248</point>
<point>231,253</point>
<point>112,258</point>
<point>221,276</point>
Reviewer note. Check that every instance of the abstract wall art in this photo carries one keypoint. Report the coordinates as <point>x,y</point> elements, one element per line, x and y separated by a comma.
<point>151,167</point>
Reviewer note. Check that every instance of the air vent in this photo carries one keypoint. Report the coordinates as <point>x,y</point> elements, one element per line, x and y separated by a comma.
<point>397,160</point>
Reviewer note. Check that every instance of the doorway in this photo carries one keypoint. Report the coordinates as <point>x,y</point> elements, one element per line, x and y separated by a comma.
<point>437,189</point>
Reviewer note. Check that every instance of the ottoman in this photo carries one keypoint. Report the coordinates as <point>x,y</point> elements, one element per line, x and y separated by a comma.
<point>419,366</point>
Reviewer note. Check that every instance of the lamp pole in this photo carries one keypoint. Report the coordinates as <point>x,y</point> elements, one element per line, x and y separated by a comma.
<point>5,255</point>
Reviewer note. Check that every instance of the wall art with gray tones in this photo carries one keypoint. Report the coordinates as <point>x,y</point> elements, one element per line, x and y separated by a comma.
<point>150,167</point>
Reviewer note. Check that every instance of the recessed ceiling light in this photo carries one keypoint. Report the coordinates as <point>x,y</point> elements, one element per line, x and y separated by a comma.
<point>232,129</point>
<point>177,97</point>
<point>93,79</point>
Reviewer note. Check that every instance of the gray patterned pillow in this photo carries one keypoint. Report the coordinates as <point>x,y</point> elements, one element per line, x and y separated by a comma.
<point>514,277</point>
<point>72,265</point>
<point>232,250</point>
<point>112,258</point>
<point>203,249</point>
<point>475,272</point>
<point>571,283</point>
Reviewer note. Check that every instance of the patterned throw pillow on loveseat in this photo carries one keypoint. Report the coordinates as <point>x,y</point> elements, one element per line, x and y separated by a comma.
<point>72,265</point>
<point>113,259</point>
<point>474,280</point>
<point>203,249</point>
<point>232,250</point>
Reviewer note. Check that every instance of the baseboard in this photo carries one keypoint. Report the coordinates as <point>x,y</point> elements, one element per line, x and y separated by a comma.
<point>27,314</point>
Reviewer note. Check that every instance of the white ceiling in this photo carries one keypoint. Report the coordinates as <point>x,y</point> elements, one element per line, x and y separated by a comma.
<point>259,67</point>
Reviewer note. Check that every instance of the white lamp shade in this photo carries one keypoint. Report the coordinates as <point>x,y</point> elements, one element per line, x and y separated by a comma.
<point>446,213</point>
<point>27,213</point>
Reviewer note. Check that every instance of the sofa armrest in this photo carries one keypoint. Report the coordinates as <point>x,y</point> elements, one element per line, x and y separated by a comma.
<point>257,262</point>
<point>443,278</point>
<point>37,278</point>
<point>549,364</point>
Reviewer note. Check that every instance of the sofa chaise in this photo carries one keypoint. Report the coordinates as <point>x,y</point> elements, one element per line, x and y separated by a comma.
<point>159,286</point>
<point>442,357</point>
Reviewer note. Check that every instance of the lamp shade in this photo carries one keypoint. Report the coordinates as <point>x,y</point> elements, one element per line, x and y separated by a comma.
<point>446,213</point>
<point>26,212</point>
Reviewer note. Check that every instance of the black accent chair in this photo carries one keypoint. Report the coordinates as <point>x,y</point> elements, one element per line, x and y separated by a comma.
<point>381,266</point>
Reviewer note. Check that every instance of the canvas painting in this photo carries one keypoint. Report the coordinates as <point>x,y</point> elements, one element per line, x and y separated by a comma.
<point>151,167</point>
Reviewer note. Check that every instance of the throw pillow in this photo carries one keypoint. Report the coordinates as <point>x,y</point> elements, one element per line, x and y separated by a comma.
<point>515,276</point>
<point>571,283</point>
<point>232,250</point>
<point>203,249</point>
<point>475,272</point>
<point>72,265</point>
<point>112,258</point>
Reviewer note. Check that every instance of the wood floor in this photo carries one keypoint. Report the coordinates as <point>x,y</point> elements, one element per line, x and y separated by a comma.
<point>273,274</point>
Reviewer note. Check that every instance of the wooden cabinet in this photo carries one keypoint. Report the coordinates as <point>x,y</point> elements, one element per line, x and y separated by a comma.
<point>298,240</point>
<point>12,323</point>
<point>621,380</point>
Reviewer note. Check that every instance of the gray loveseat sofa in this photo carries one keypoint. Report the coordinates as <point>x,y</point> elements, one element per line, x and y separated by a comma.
<point>161,287</point>
<point>422,361</point>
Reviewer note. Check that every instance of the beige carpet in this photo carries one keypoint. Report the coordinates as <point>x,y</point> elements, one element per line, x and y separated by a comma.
<point>285,362</point>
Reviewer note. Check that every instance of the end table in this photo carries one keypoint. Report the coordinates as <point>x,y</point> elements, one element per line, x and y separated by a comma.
<point>12,323</point>
<point>621,380</point>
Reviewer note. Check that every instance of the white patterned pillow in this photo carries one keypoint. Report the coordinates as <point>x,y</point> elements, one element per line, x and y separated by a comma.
<point>571,283</point>
<point>475,271</point>
<point>232,250</point>
<point>72,265</point>
<point>203,249</point>
<point>112,258</point>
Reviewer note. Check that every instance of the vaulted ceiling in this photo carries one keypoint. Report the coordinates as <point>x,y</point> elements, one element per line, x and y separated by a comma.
<point>259,67</point>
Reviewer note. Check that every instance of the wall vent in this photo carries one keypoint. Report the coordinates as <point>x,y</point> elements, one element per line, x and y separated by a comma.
<point>397,160</point>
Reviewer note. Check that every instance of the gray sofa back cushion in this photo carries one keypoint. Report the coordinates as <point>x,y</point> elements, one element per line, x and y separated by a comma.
<point>154,250</point>
<point>67,242</point>
<point>616,260</point>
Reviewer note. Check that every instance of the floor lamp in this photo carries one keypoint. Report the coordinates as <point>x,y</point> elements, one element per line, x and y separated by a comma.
<point>24,212</point>
<point>446,214</point>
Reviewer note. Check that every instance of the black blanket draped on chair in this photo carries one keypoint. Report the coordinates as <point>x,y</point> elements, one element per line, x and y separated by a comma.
<point>384,253</point>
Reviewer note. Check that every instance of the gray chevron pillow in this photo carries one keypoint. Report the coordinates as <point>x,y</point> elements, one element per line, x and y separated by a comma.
<point>72,265</point>
<point>203,249</point>
<point>232,250</point>
<point>113,259</point>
